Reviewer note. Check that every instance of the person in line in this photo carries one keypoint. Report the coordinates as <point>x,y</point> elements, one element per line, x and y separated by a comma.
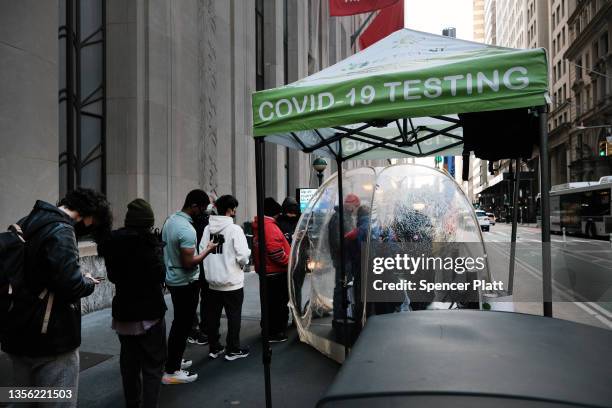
<point>289,218</point>
<point>135,264</point>
<point>351,204</point>
<point>199,329</point>
<point>225,277</point>
<point>182,273</point>
<point>277,261</point>
<point>43,332</point>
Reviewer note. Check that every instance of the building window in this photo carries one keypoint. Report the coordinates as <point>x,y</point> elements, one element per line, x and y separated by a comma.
<point>587,63</point>
<point>578,105</point>
<point>588,99</point>
<point>563,7</point>
<point>259,45</point>
<point>563,36</point>
<point>82,95</point>
<point>579,69</point>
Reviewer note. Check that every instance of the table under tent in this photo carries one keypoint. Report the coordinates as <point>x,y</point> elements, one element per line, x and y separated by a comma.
<point>411,94</point>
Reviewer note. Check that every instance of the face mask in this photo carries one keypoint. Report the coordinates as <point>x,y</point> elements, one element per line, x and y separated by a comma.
<point>80,230</point>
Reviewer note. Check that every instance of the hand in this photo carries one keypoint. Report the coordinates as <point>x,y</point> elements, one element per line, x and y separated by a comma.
<point>94,280</point>
<point>211,246</point>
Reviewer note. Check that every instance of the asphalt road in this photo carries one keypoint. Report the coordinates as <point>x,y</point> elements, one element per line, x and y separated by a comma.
<point>581,269</point>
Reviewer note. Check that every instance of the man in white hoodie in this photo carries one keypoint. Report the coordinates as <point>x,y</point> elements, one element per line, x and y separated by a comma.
<point>223,271</point>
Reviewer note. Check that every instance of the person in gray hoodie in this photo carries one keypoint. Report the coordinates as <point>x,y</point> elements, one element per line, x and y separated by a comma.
<point>225,277</point>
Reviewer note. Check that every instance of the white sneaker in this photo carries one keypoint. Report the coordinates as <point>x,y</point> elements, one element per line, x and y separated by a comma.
<point>179,377</point>
<point>185,364</point>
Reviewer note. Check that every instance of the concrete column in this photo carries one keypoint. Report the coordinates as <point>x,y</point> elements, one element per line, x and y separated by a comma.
<point>298,162</point>
<point>153,74</point>
<point>29,104</point>
<point>276,158</point>
<point>243,85</point>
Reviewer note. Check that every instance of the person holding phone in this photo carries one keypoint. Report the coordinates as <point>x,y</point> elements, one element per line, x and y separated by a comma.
<point>182,280</point>
<point>225,277</point>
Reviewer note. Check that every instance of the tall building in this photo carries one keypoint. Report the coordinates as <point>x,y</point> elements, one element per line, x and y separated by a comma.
<point>559,88</point>
<point>490,27</point>
<point>590,77</point>
<point>478,20</point>
<point>154,96</point>
<point>513,24</point>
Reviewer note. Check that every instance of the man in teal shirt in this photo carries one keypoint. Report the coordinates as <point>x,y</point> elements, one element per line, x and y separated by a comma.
<point>182,272</point>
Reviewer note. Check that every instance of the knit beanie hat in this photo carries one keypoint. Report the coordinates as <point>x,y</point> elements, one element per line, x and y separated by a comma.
<point>271,207</point>
<point>139,214</point>
<point>290,205</point>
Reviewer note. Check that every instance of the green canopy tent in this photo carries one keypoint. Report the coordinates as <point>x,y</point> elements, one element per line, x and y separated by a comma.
<point>400,98</point>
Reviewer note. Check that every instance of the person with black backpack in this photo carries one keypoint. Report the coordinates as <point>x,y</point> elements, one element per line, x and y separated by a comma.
<point>135,264</point>
<point>42,330</point>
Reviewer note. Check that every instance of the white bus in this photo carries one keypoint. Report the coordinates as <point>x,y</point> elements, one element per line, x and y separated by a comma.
<point>582,208</point>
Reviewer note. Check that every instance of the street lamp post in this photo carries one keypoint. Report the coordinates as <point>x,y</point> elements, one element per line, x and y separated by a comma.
<point>319,165</point>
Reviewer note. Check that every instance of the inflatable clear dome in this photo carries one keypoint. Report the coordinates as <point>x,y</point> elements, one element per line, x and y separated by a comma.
<point>406,202</point>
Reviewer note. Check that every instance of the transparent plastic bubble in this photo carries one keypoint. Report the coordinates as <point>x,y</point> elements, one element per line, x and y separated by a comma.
<point>400,203</point>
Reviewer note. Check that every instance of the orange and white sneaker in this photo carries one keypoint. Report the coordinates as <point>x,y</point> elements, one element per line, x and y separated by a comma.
<point>179,377</point>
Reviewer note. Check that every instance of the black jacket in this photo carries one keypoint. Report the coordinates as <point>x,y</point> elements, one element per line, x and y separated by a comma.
<point>52,262</point>
<point>287,226</point>
<point>333,231</point>
<point>135,264</point>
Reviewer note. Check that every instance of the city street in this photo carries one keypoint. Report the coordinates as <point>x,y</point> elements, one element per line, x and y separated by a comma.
<point>581,267</point>
<point>300,375</point>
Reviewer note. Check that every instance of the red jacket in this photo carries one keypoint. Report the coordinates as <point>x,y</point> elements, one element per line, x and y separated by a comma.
<point>277,247</point>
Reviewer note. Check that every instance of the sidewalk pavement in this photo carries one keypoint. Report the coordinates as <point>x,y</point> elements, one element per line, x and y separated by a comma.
<point>299,374</point>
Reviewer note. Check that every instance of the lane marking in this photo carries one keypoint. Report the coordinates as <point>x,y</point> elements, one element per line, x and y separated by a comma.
<point>567,294</point>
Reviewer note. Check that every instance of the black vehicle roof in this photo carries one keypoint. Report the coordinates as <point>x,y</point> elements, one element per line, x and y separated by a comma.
<point>477,359</point>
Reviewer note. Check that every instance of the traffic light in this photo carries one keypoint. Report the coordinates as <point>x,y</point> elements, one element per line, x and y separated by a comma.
<point>603,148</point>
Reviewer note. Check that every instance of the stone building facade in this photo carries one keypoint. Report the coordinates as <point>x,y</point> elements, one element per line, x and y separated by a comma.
<point>161,91</point>
<point>590,77</point>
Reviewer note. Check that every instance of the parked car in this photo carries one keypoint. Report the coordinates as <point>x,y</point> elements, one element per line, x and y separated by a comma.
<point>483,220</point>
<point>491,218</point>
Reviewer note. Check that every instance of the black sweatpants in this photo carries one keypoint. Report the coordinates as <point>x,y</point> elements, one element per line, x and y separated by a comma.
<point>142,361</point>
<point>278,297</point>
<point>231,301</point>
<point>185,302</point>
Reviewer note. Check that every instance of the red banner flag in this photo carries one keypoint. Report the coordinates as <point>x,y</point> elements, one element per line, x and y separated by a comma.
<point>388,21</point>
<point>350,7</point>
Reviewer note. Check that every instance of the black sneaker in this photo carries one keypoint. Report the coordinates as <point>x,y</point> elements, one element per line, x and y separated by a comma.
<point>193,336</point>
<point>201,339</point>
<point>278,337</point>
<point>215,352</point>
<point>234,355</point>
